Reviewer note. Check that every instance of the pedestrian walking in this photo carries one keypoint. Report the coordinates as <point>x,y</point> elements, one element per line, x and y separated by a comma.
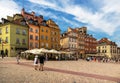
<point>41,60</point>
<point>36,62</point>
<point>6,52</point>
<point>2,53</point>
<point>18,59</point>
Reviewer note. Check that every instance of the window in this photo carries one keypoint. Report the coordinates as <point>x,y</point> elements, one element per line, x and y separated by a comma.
<point>31,29</point>
<point>36,23</point>
<point>56,39</point>
<point>42,36</point>
<point>17,41</point>
<point>17,31</point>
<point>46,44</point>
<point>22,23</point>
<point>55,33</point>
<point>23,41</point>
<point>46,37</point>
<point>46,30</point>
<point>36,38</point>
<point>42,44</point>
<point>44,24</point>
<point>52,33</point>
<point>31,44</point>
<point>52,46</point>
<point>31,36</point>
<point>26,18</point>
<point>36,31</point>
<point>52,39</point>
<point>36,45</point>
<point>30,21</point>
<point>42,30</point>
<point>0,31</point>
<point>6,29</point>
<point>6,40</point>
<point>24,32</point>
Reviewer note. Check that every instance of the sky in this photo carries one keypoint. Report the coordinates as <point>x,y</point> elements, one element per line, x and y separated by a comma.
<point>101,17</point>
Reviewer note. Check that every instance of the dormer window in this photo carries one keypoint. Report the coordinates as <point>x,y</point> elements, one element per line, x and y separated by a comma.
<point>22,23</point>
<point>26,18</point>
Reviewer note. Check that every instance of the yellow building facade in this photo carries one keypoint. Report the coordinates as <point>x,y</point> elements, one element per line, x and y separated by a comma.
<point>106,48</point>
<point>54,34</point>
<point>13,37</point>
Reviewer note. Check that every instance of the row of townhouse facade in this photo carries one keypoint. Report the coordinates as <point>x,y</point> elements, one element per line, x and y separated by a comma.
<point>27,31</point>
<point>83,45</point>
<point>79,42</point>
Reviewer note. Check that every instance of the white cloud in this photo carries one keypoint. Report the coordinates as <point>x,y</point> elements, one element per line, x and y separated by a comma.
<point>8,8</point>
<point>44,2</point>
<point>70,22</point>
<point>95,20</point>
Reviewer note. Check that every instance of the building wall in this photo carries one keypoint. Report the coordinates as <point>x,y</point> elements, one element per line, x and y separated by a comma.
<point>118,52</point>
<point>6,45</point>
<point>35,42</point>
<point>73,41</point>
<point>64,42</point>
<point>104,50</point>
<point>54,34</point>
<point>15,46</point>
<point>90,45</point>
<point>12,46</point>
<point>107,48</point>
<point>45,41</point>
<point>55,38</point>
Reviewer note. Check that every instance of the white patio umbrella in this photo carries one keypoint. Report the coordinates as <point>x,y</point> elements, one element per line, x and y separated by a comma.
<point>27,51</point>
<point>54,51</point>
<point>43,50</point>
<point>33,51</point>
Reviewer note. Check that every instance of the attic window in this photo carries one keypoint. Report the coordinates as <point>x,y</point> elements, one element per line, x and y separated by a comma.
<point>26,18</point>
<point>31,21</point>
<point>22,23</point>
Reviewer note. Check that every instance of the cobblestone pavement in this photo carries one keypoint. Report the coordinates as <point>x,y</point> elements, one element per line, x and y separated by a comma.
<point>56,71</point>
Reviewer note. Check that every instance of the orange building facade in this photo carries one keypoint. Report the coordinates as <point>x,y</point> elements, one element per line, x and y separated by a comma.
<point>42,33</point>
